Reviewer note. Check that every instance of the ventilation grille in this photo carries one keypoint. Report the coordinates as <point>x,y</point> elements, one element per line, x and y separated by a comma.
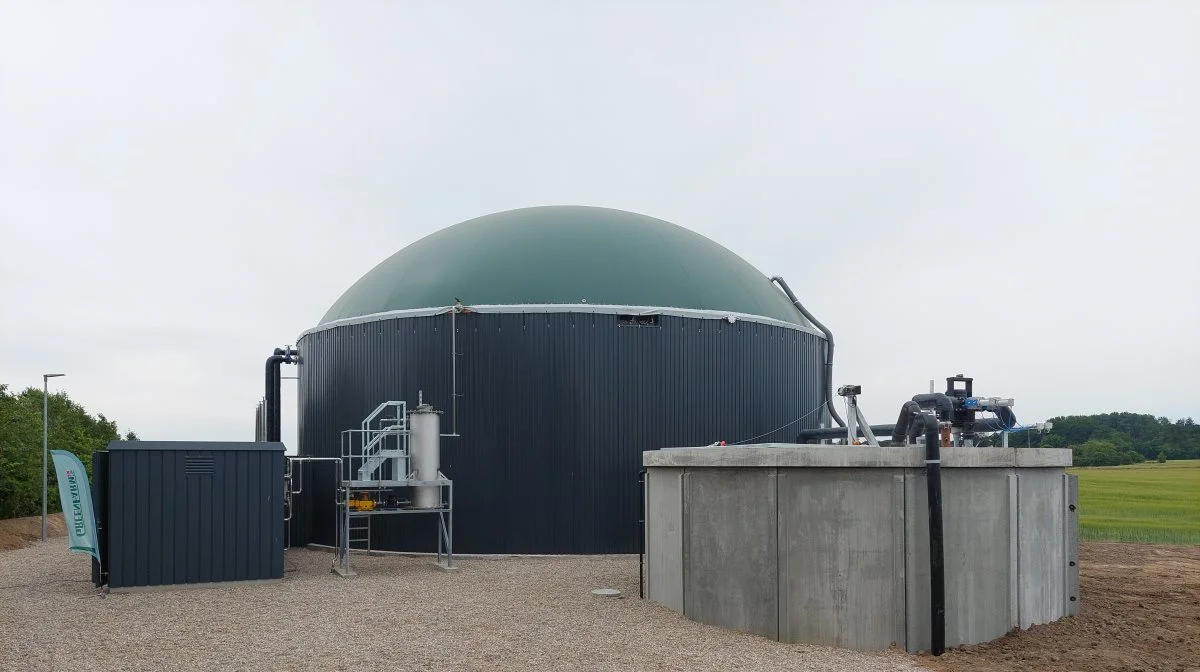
<point>198,466</point>
<point>638,320</point>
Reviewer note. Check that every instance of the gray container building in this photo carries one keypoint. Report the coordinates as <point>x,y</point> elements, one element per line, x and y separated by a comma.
<point>189,512</point>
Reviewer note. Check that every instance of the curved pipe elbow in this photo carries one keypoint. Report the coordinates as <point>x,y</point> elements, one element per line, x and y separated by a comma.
<point>933,442</point>
<point>270,432</point>
<point>900,431</point>
<point>1007,417</point>
<point>936,400</point>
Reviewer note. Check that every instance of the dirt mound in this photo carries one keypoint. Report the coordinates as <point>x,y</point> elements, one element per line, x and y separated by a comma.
<point>1140,610</point>
<point>20,532</point>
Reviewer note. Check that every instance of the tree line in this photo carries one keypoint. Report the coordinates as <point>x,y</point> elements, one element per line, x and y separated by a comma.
<point>71,428</point>
<point>1105,439</point>
<point>1110,439</point>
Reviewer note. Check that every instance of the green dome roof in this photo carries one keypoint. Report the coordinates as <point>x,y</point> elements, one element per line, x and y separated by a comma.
<point>565,255</point>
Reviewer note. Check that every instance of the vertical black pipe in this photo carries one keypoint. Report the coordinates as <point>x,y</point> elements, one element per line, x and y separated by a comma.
<point>937,575</point>
<point>274,424</point>
<point>100,511</point>
<point>272,394</point>
<point>641,533</point>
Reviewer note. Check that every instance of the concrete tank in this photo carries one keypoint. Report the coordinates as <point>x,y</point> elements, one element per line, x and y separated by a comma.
<point>830,546</point>
<point>424,448</point>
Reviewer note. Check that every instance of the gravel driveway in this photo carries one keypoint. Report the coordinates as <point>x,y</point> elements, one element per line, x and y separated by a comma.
<point>399,613</point>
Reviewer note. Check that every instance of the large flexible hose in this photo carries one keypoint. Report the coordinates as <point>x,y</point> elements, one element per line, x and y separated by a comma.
<point>828,377</point>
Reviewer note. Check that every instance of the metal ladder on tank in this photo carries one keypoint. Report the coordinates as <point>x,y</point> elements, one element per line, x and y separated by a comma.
<point>359,532</point>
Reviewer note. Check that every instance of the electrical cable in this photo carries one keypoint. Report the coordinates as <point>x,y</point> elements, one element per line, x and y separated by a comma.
<point>822,405</point>
<point>1003,425</point>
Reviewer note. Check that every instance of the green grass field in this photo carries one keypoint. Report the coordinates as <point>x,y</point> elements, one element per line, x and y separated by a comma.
<point>1147,503</point>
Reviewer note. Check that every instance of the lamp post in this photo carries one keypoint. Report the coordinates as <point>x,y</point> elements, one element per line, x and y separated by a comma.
<point>46,439</point>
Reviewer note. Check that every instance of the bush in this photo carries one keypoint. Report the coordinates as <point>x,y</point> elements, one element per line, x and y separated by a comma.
<point>72,428</point>
<point>1097,453</point>
<point>1162,457</point>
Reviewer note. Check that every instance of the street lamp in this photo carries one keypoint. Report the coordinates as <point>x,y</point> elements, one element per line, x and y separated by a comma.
<point>46,439</point>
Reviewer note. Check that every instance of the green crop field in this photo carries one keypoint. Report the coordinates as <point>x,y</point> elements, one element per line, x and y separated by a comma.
<point>1146,503</point>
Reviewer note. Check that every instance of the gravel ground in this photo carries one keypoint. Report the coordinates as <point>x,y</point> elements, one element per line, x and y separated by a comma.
<point>399,613</point>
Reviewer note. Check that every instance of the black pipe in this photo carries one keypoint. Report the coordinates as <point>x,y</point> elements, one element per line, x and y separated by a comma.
<point>828,348</point>
<point>896,431</point>
<point>936,400</point>
<point>274,425</point>
<point>272,393</point>
<point>900,429</point>
<point>937,575</point>
<point>642,534</point>
<point>1004,415</point>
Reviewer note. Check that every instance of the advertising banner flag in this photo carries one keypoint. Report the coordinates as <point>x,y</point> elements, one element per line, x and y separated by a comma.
<point>76,496</point>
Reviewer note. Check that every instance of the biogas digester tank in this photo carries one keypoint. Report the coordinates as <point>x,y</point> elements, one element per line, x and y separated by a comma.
<point>587,335</point>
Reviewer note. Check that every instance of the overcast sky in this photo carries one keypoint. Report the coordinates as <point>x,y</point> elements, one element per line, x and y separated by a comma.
<point>1008,190</point>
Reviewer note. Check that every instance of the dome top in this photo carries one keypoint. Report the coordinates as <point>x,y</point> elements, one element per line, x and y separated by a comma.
<point>565,255</point>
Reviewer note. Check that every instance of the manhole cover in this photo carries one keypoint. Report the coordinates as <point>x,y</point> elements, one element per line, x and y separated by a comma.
<point>606,592</point>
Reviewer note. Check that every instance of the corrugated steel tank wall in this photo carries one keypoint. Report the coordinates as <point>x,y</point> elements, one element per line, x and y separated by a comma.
<point>554,413</point>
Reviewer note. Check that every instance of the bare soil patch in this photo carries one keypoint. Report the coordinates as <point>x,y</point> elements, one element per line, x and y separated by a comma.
<point>20,532</point>
<point>1140,611</point>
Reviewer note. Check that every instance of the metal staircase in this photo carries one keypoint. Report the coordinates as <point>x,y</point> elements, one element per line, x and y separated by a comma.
<point>381,439</point>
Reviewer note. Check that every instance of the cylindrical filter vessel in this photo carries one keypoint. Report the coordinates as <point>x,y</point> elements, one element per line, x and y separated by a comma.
<point>424,426</point>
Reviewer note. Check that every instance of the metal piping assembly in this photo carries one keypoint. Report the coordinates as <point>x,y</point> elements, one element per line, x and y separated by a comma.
<point>828,378</point>
<point>393,450</point>
<point>955,410</point>
<point>984,426</point>
<point>937,420</point>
